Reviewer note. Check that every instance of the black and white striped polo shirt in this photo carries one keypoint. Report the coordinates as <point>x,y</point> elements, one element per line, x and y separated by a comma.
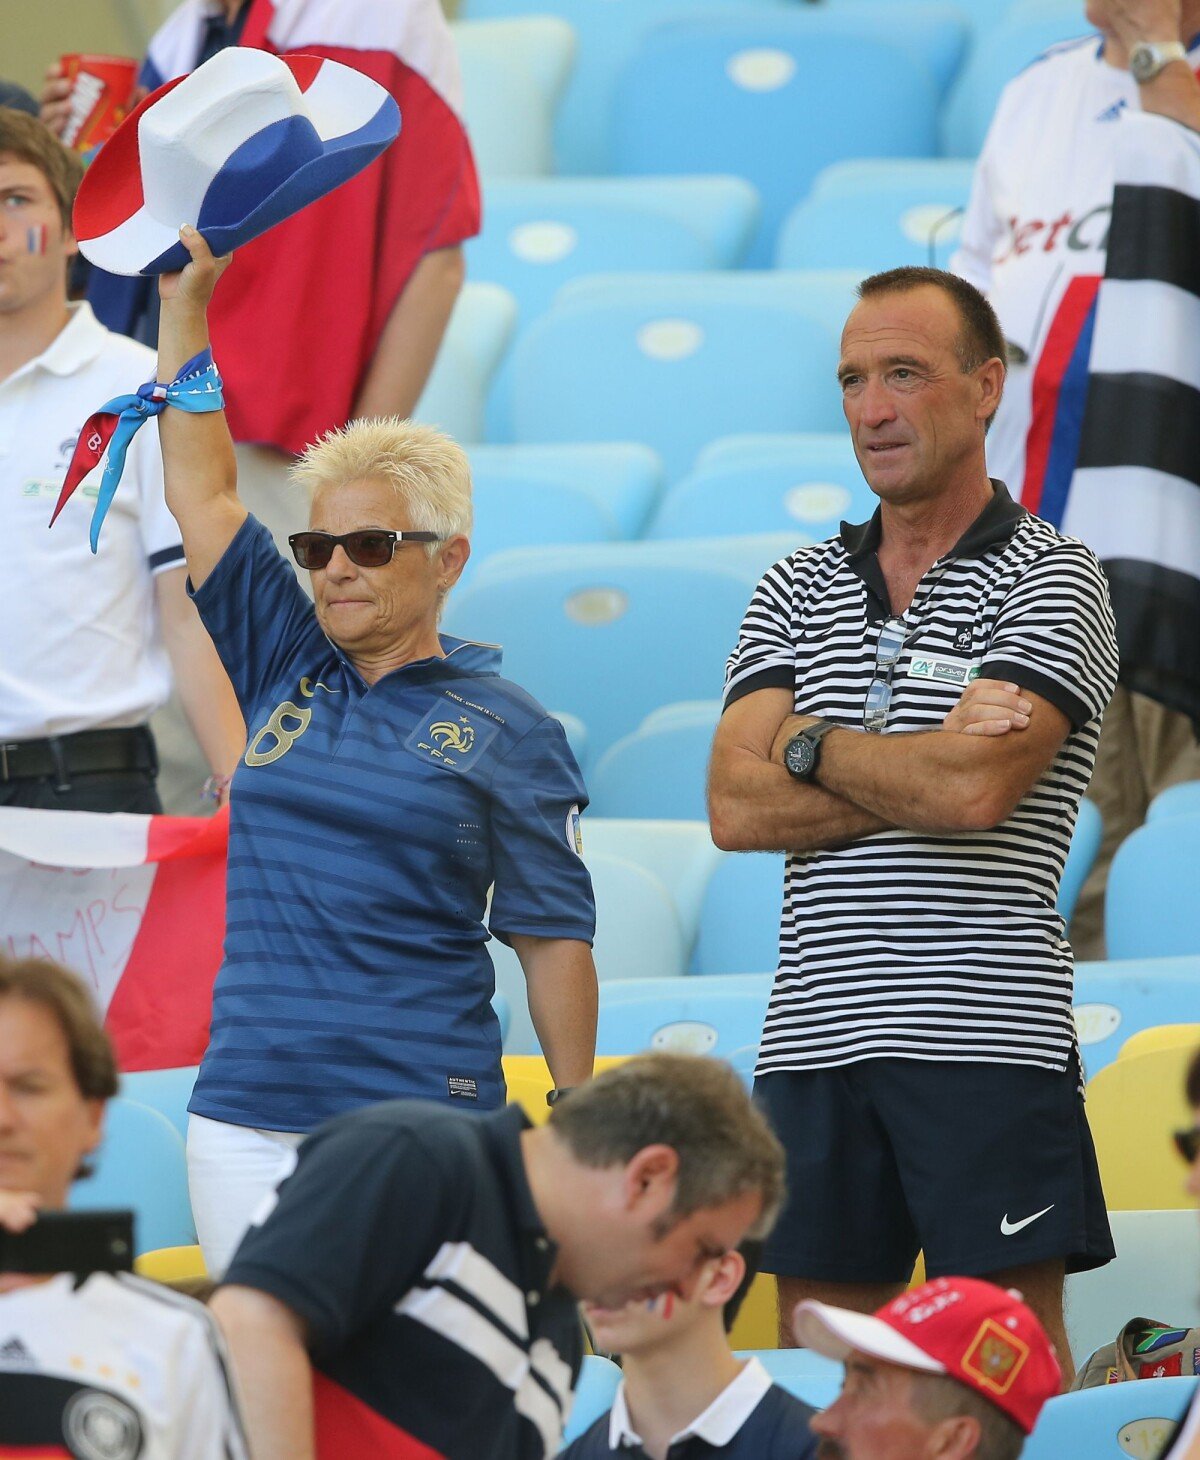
<point>905,943</point>
<point>408,1241</point>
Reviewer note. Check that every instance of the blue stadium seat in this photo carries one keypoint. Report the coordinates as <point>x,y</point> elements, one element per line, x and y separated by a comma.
<point>1118,999</point>
<point>739,922</point>
<point>994,60</point>
<point>881,223</point>
<point>1150,908</point>
<point>624,478</point>
<point>594,1395</point>
<point>455,396</point>
<point>673,370</point>
<point>680,853</point>
<point>806,484</point>
<point>683,1015</point>
<point>167,1091</point>
<point>1181,800</point>
<point>809,1376</point>
<point>539,234</point>
<point>607,646</point>
<point>140,1164</point>
<point>1154,1249</point>
<point>740,96</point>
<point>1111,1422</point>
<point>1085,844</point>
<point>657,771</point>
<point>514,72</point>
<point>533,514</point>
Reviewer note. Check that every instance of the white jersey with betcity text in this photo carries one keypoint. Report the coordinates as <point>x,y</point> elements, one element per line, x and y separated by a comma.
<point>1034,240</point>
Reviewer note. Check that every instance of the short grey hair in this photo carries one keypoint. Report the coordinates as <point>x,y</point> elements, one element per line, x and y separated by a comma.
<point>428,471</point>
<point>697,1106</point>
<point>936,1397</point>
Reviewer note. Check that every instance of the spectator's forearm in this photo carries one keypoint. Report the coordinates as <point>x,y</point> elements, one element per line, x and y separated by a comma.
<point>409,344</point>
<point>273,1373</point>
<point>560,978</point>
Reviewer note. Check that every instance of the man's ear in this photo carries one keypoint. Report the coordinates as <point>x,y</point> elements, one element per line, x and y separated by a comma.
<point>648,1181</point>
<point>956,1438</point>
<point>728,1273</point>
<point>991,387</point>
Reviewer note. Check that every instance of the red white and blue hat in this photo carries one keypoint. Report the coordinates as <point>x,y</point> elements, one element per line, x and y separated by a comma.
<point>242,143</point>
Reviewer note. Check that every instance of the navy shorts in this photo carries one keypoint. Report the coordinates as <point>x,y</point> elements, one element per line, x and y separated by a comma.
<point>984,1167</point>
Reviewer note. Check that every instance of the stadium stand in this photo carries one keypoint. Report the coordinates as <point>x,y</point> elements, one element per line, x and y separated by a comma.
<point>1182,800</point>
<point>140,1164</point>
<point>1111,1422</point>
<point>1150,909</point>
<point>1117,999</point>
<point>624,478</point>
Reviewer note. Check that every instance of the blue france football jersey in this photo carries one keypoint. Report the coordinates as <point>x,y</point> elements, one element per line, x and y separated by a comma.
<point>368,823</point>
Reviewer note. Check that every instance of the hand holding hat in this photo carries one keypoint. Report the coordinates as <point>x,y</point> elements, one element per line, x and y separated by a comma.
<point>195,282</point>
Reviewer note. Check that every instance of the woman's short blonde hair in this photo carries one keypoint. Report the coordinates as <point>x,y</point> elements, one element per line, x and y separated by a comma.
<point>426,469</point>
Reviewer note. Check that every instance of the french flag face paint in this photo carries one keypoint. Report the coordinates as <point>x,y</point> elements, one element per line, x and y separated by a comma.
<point>35,238</point>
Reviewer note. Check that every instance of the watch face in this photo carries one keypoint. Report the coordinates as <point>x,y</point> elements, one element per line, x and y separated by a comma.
<point>799,757</point>
<point>1143,62</point>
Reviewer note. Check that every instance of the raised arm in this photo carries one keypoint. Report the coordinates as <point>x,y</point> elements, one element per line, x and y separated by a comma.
<point>199,469</point>
<point>754,804</point>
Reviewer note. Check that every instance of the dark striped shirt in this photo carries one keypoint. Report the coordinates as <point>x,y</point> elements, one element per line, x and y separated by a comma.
<point>911,944</point>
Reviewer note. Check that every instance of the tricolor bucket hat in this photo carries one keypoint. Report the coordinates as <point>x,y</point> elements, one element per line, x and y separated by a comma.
<point>242,143</point>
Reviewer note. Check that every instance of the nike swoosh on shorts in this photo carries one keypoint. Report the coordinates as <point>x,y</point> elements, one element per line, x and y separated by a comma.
<point>1009,1229</point>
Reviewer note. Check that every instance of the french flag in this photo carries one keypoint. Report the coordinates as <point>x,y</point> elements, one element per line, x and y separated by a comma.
<point>133,904</point>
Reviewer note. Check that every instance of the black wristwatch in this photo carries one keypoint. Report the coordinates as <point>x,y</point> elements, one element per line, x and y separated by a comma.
<point>802,753</point>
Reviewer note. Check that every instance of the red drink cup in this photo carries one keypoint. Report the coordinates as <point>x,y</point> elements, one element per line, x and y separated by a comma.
<point>100,93</point>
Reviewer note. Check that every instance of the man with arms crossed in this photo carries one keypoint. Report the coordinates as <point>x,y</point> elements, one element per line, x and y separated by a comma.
<point>426,1263</point>
<point>919,1059</point>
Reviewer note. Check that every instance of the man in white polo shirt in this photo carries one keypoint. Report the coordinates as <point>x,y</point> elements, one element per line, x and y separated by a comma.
<point>89,642</point>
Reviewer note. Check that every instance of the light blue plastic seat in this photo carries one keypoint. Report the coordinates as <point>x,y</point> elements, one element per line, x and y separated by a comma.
<point>1151,909</point>
<point>681,1015</point>
<point>1118,999</point>
<point>480,328</point>
<point>884,222</point>
<point>739,922</point>
<point>683,712</point>
<point>533,514</point>
<point>167,1091</point>
<point>657,771</point>
<point>1006,50</point>
<point>514,72</point>
<point>747,95</point>
<point>673,369</point>
<point>1154,1250</point>
<point>623,478</point>
<point>1081,858</point>
<point>140,1165</point>
<point>610,644</point>
<point>808,1375</point>
<point>806,484</point>
<point>1181,800</point>
<point>680,853</point>
<point>1111,1422</point>
<point>594,1395</point>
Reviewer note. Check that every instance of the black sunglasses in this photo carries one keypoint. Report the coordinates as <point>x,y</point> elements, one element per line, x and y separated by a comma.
<point>1187,1143</point>
<point>370,547</point>
<point>892,638</point>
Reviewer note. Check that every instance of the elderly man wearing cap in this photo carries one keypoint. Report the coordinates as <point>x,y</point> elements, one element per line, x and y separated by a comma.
<point>957,1369</point>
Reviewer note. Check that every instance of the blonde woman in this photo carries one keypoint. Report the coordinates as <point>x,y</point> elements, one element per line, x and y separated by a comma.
<point>391,777</point>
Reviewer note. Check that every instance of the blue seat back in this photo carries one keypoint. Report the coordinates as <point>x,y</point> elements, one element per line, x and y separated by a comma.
<point>673,370</point>
<point>808,1375</point>
<point>909,219</point>
<point>533,514</point>
<point>140,1164</point>
<point>739,922</point>
<point>623,478</point>
<point>167,1091</point>
<point>807,484</point>
<point>686,1018</point>
<point>1181,800</point>
<point>480,328</point>
<point>1151,909</point>
<point>657,771</point>
<point>1111,1422</point>
<point>1085,844</point>
<point>1115,1000</point>
<point>608,647</point>
<point>594,1395</point>
<point>720,95</point>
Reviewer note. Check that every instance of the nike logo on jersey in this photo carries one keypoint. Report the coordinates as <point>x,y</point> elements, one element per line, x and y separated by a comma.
<point>1111,113</point>
<point>1010,1229</point>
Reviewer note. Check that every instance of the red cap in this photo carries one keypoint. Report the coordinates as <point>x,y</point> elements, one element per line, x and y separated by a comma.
<point>982,1336</point>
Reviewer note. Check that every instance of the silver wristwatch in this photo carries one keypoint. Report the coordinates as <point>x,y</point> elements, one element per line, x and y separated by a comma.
<point>1148,58</point>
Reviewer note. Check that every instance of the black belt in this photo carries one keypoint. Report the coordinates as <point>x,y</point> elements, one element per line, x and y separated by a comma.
<point>89,751</point>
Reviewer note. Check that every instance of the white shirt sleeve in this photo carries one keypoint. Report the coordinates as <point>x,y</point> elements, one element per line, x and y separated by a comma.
<point>207,1422</point>
<point>982,225</point>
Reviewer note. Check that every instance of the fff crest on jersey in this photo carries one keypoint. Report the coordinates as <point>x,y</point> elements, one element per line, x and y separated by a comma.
<point>451,736</point>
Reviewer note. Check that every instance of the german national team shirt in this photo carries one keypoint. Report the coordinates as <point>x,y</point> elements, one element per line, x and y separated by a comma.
<point>912,944</point>
<point>367,825</point>
<point>111,1367</point>
<point>1034,240</point>
<point>408,1241</point>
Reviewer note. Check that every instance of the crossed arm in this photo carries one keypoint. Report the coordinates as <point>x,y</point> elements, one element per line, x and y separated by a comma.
<point>967,776</point>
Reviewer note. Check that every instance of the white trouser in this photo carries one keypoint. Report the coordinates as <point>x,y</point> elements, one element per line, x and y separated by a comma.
<point>233,1171</point>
